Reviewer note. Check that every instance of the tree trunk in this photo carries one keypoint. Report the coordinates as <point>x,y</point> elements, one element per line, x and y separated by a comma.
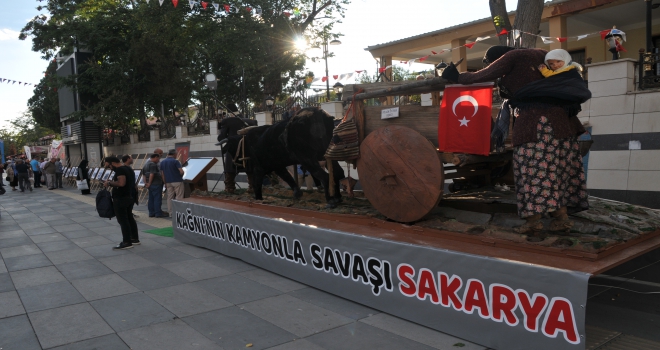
<point>501,18</point>
<point>528,19</point>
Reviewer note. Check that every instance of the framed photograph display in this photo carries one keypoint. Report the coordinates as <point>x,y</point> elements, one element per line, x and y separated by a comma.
<point>89,173</point>
<point>93,176</point>
<point>65,171</point>
<point>74,172</point>
<point>137,173</point>
<point>106,175</point>
<point>140,180</point>
<point>99,175</point>
<point>197,167</point>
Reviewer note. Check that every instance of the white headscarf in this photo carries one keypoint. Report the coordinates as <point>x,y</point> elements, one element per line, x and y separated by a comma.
<point>562,55</point>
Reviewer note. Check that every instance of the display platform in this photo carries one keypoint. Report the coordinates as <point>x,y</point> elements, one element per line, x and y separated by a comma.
<point>499,297</point>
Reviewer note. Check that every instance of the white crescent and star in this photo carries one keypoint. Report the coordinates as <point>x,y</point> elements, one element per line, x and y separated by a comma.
<point>465,98</point>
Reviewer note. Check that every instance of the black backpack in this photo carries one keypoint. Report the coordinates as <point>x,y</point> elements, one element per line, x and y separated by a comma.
<point>104,204</point>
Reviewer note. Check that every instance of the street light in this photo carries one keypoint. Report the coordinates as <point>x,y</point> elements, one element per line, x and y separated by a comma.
<point>339,90</point>
<point>210,81</point>
<point>270,100</point>
<point>325,57</point>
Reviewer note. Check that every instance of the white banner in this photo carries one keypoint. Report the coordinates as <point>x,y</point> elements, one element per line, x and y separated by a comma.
<point>28,154</point>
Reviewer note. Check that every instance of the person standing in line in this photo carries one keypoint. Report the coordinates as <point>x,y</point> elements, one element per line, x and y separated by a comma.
<point>49,170</point>
<point>172,172</point>
<point>59,169</point>
<point>155,185</point>
<point>34,163</point>
<point>122,183</point>
<point>23,174</point>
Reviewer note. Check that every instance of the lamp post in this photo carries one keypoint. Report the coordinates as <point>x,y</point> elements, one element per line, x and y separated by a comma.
<point>325,57</point>
<point>339,90</point>
<point>270,100</point>
<point>212,83</point>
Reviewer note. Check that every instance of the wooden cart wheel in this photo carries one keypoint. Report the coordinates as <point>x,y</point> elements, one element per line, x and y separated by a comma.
<point>400,173</point>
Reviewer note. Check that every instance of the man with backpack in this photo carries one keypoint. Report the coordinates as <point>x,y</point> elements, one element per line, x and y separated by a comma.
<point>122,184</point>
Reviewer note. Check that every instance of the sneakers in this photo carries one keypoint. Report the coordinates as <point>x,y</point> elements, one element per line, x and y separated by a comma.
<point>123,245</point>
<point>135,241</point>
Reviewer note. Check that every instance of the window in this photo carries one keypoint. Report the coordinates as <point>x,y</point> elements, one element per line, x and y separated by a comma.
<point>579,56</point>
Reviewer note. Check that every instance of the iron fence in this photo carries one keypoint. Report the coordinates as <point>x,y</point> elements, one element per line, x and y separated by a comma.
<point>199,126</point>
<point>167,129</point>
<point>649,70</point>
<point>144,135</point>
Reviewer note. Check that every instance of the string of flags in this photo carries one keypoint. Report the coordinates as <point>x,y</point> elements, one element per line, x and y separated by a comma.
<point>12,82</point>
<point>336,77</point>
<point>517,34</point>
<point>207,5</point>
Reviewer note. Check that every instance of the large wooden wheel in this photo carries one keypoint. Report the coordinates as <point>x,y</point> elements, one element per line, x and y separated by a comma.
<point>400,173</point>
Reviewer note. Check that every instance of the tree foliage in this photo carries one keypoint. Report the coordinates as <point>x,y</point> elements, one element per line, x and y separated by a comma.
<point>145,55</point>
<point>44,104</point>
<point>23,130</point>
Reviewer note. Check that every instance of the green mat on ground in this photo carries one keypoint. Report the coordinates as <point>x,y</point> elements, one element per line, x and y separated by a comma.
<point>165,232</point>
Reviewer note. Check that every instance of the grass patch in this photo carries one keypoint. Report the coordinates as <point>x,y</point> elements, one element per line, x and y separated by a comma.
<point>165,232</point>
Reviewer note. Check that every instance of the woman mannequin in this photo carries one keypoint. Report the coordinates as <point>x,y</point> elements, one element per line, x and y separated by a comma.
<point>82,175</point>
<point>547,164</point>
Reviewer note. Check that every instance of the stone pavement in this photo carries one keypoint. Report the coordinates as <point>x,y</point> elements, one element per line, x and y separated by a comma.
<point>63,287</point>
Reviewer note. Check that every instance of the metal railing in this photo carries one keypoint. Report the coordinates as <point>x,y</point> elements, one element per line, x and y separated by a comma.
<point>649,70</point>
<point>167,129</point>
<point>199,126</point>
<point>144,135</point>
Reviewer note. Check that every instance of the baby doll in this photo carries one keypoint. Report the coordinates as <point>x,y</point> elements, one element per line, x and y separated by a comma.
<point>558,61</point>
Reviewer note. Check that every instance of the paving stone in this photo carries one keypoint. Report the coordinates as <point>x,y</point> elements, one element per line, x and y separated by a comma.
<point>70,227</point>
<point>50,218</point>
<point>6,284</point>
<point>104,286</point>
<point>126,262</point>
<point>55,327</point>
<point>35,277</point>
<point>334,303</point>
<point>10,305</point>
<point>79,234</point>
<point>131,311</point>
<point>146,244</point>
<point>187,299</point>
<point>86,219</point>
<point>15,242</point>
<point>21,250</point>
<point>106,230</point>
<point>196,270</point>
<point>68,255</point>
<point>48,296</point>
<point>11,234</point>
<point>153,277</point>
<point>48,237</point>
<point>272,280</point>
<point>83,269</point>
<point>91,241</point>
<point>16,334</point>
<point>174,334</point>
<point>167,241</point>
<point>237,289</point>
<point>106,342</point>
<point>101,251</point>
<point>413,331</point>
<point>56,246</point>
<point>27,262</point>
<point>164,256</point>
<point>69,211</point>
<point>298,344</point>
<point>40,231</point>
<point>196,252</point>
<point>296,316</point>
<point>60,222</point>
<point>230,264</point>
<point>227,328</point>
<point>359,336</point>
<point>32,224</point>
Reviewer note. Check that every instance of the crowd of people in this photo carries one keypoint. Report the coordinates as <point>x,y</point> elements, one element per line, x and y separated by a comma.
<point>35,173</point>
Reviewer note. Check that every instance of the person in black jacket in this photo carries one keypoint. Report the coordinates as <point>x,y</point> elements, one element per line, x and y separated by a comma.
<point>123,184</point>
<point>82,175</point>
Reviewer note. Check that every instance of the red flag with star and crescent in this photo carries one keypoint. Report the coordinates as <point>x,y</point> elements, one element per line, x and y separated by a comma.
<point>465,119</point>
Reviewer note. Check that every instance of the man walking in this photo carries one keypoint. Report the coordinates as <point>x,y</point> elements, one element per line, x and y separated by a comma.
<point>49,169</point>
<point>172,177</point>
<point>59,169</point>
<point>155,185</point>
<point>128,162</point>
<point>37,172</point>
<point>122,183</point>
<point>23,174</point>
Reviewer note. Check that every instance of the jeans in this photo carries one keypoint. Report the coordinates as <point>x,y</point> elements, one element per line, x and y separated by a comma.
<point>37,179</point>
<point>155,200</point>
<point>58,180</point>
<point>24,181</point>
<point>124,214</point>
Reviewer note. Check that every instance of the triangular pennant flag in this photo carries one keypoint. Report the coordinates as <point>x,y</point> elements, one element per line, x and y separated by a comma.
<point>13,82</point>
<point>562,40</point>
<point>288,14</point>
<point>147,1</point>
<point>349,75</point>
<point>580,37</point>
<point>175,2</point>
<point>516,34</point>
<point>411,62</point>
<point>227,8</point>
<point>422,59</point>
<point>335,77</point>
<point>191,4</point>
<point>433,52</point>
<point>217,6</point>
<point>161,2</point>
<point>618,46</point>
<point>204,4</point>
<point>546,40</point>
<point>19,83</point>
<point>382,69</point>
<point>249,9</point>
<point>470,45</point>
<point>603,33</point>
<point>503,32</point>
<point>324,79</point>
<point>359,71</point>
<point>315,80</point>
<point>481,38</point>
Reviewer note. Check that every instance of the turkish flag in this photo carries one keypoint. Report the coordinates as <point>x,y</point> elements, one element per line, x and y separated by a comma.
<point>465,119</point>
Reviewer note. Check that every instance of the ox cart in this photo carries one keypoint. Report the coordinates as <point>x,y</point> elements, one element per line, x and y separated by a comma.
<point>401,170</point>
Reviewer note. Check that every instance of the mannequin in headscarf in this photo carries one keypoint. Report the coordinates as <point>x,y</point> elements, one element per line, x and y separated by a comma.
<point>547,163</point>
<point>82,174</point>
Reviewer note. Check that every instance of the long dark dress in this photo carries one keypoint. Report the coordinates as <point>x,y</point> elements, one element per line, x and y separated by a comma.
<point>83,175</point>
<point>547,164</point>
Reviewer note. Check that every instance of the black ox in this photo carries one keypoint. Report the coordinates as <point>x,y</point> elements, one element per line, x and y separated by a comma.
<point>302,140</point>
